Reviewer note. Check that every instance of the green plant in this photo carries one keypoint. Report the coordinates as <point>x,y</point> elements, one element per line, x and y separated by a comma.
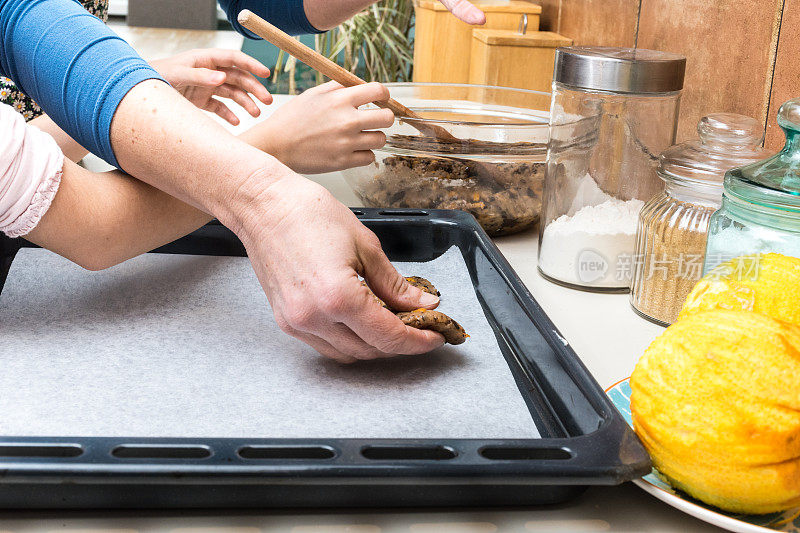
<point>376,44</point>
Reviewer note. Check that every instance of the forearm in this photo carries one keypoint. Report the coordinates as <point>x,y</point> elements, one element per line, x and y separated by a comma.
<point>96,220</point>
<point>314,16</point>
<point>159,137</point>
<point>72,150</point>
<point>75,67</point>
<point>99,220</point>
<point>327,14</point>
<point>264,138</point>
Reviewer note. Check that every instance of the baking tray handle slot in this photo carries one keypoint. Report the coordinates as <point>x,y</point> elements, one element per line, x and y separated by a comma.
<point>524,453</point>
<point>40,450</point>
<point>403,213</point>
<point>154,451</point>
<point>409,453</point>
<point>286,452</point>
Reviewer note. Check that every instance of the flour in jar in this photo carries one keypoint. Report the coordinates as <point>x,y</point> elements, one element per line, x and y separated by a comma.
<point>594,246</point>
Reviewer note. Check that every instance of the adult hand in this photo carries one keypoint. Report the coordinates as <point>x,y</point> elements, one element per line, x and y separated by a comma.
<point>323,129</point>
<point>308,251</point>
<point>201,75</point>
<point>465,11</point>
<point>306,248</point>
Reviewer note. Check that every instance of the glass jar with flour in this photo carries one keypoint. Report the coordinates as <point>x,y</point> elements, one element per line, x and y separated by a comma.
<point>614,110</point>
<point>760,210</point>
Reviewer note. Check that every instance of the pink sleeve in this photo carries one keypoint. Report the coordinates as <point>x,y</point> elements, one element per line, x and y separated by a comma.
<point>30,172</point>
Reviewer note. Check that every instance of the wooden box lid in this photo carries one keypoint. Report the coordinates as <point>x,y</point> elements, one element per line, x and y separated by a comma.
<point>488,6</point>
<point>538,39</point>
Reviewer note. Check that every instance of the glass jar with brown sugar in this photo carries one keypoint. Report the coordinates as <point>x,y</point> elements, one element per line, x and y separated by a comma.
<point>673,226</point>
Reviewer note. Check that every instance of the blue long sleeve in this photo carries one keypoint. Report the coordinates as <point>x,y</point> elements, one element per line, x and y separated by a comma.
<point>288,15</point>
<point>71,64</point>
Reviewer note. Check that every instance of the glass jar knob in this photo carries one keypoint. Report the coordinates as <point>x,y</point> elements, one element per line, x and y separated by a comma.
<point>789,116</point>
<point>780,172</point>
<point>730,129</point>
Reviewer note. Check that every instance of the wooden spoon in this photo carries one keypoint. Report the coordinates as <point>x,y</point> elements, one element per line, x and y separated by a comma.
<point>328,68</point>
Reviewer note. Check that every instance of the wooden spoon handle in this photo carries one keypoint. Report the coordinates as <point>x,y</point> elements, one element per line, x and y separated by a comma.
<point>310,57</point>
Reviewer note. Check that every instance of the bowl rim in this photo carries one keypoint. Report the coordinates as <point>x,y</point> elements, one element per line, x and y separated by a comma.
<point>510,90</point>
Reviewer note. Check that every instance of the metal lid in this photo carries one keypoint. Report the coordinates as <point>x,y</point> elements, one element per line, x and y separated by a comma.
<point>625,70</point>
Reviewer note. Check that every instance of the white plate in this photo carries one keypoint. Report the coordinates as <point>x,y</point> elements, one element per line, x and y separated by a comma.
<point>787,522</point>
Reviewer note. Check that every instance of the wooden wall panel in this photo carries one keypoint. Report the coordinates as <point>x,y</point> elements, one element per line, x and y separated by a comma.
<point>599,22</point>
<point>729,46</point>
<point>786,79</point>
<point>551,10</point>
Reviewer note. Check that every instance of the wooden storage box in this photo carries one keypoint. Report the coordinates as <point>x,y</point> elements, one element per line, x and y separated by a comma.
<point>442,43</point>
<point>512,59</point>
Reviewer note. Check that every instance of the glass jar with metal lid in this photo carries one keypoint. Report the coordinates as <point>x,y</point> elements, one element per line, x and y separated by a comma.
<point>760,210</point>
<point>613,111</point>
<point>673,225</point>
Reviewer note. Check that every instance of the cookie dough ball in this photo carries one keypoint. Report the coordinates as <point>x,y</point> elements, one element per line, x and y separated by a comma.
<point>423,285</point>
<point>436,321</point>
<point>716,403</point>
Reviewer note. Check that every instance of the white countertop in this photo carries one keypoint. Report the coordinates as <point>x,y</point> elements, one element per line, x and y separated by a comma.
<point>602,329</point>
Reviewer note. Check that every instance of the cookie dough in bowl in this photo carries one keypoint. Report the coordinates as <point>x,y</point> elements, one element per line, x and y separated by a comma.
<point>495,171</point>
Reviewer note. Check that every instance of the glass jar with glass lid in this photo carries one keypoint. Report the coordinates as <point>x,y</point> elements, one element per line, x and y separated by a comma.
<point>613,111</point>
<point>673,225</point>
<point>760,210</point>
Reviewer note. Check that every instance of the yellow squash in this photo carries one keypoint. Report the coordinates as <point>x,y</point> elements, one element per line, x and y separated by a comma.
<point>716,402</point>
<point>764,283</point>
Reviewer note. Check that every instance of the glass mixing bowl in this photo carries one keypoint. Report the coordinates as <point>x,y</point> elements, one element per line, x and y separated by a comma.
<point>494,171</point>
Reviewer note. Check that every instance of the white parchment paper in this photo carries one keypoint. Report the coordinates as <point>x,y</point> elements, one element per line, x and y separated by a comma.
<point>186,346</point>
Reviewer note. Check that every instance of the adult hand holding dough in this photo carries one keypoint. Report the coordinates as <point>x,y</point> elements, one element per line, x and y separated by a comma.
<point>312,250</point>
<point>307,249</point>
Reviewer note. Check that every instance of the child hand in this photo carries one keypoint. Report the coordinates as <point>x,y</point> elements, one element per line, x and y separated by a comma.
<point>200,75</point>
<point>323,129</point>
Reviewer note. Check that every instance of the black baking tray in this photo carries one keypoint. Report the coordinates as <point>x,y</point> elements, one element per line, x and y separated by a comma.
<point>584,440</point>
